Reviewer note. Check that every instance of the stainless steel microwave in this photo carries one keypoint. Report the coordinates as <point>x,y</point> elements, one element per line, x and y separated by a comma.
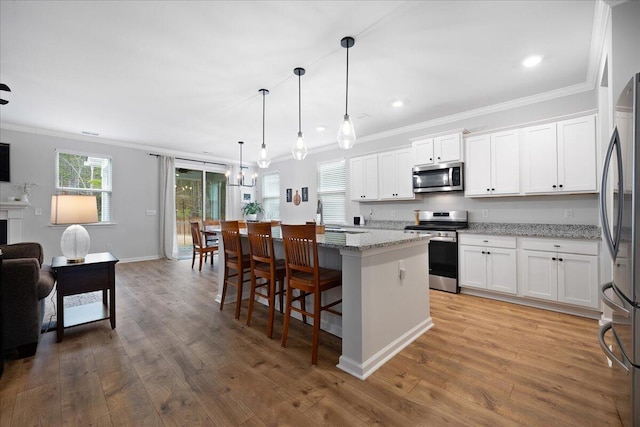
<point>440,177</point>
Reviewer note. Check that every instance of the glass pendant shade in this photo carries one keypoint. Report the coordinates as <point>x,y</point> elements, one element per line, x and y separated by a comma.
<point>264,160</point>
<point>346,134</point>
<point>299,150</point>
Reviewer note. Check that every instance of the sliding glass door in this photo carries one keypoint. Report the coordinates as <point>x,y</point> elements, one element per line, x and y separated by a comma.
<point>200,195</point>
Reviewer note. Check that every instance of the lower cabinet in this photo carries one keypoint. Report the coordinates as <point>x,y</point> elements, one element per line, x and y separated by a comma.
<point>560,270</point>
<point>564,271</point>
<point>488,262</point>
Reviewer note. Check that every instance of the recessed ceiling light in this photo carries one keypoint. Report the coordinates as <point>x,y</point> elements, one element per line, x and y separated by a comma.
<point>86,132</point>
<point>532,61</point>
<point>397,104</point>
<point>321,128</point>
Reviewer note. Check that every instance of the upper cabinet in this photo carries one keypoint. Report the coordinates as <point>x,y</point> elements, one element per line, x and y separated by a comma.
<point>441,149</point>
<point>383,176</point>
<point>560,157</point>
<point>363,177</point>
<point>396,168</point>
<point>493,164</point>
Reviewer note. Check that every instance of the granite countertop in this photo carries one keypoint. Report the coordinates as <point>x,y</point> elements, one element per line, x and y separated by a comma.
<point>360,239</point>
<point>559,231</point>
<point>352,238</point>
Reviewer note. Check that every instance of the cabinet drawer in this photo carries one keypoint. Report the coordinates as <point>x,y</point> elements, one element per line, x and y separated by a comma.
<point>566,246</point>
<point>486,240</point>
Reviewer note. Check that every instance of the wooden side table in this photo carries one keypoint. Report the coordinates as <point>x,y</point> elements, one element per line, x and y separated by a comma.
<point>96,273</point>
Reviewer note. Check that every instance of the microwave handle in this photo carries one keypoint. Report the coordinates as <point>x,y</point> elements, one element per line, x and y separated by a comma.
<point>450,176</point>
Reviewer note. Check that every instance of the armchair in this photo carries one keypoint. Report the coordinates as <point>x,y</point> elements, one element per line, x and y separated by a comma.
<point>26,282</point>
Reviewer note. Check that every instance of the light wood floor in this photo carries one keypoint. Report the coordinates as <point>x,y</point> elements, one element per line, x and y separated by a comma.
<point>176,359</point>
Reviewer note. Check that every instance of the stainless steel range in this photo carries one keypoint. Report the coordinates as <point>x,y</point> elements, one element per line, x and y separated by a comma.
<point>443,246</point>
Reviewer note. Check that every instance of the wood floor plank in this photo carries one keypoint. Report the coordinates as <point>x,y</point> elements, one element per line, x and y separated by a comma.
<point>176,359</point>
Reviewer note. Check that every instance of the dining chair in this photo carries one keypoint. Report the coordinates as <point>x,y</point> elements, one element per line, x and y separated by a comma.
<point>200,247</point>
<point>305,274</point>
<point>235,260</point>
<point>264,265</point>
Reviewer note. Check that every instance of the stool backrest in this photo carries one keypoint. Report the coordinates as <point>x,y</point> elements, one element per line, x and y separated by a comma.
<point>260,242</point>
<point>231,239</point>
<point>300,248</point>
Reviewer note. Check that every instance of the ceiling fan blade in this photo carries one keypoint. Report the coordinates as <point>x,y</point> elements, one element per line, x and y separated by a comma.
<point>3,102</point>
<point>4,87</point>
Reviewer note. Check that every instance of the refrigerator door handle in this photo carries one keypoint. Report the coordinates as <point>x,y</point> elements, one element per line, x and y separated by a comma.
<point>613,242</point>
<point>611,303</point>
<point>603,330</point>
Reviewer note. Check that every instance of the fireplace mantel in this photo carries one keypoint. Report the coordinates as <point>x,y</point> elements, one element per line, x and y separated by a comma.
<point>13,213</point>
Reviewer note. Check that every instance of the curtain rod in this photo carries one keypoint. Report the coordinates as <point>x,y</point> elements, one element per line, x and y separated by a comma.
<point>191,160</point>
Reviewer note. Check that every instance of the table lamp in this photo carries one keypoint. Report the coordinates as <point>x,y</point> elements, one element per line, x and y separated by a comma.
<point>74,210</point>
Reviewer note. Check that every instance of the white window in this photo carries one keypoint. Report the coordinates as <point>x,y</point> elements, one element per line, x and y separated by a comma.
<point>332,191</point>
<point>271,195</point>
<point>78,173</point>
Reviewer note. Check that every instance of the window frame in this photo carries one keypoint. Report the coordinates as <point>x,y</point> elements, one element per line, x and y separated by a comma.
<point>276,195</point>
<point>90,191</point>
<point>339,192</point>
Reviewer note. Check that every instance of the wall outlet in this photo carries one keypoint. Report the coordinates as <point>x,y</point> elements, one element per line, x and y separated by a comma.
<point>485,213</point>
<point>568,213</point>
<point>150,212</point>
<point>38,211</point>
<point>108,246</point>
<point>393,213</point>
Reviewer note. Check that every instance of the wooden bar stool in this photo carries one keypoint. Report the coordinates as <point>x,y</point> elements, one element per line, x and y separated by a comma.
<point>264,265</point>
<point>234,259</point>
<point>200,247</point>
<point>304,273</point>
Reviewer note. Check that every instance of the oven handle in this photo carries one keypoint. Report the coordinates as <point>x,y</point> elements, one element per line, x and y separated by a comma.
<point>443,239</point>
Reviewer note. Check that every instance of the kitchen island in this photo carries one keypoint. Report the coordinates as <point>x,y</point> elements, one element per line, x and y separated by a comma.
<point>385,292</point>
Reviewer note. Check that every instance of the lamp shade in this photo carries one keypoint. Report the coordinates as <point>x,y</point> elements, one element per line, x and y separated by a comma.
<point>73,209</point>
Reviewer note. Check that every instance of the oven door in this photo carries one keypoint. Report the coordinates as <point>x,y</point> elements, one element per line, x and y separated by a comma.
<point>443,264</point>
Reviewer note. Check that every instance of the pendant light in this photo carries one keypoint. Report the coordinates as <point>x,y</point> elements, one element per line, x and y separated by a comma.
<point>264,160</point>
<point>240,182</point>
<point>346,133</point>
<point>299,150</point>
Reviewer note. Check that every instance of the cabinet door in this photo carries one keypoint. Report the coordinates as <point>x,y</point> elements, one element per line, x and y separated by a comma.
<point>370,178</point>
<point>423,152</point>
<point>447,148</point>
<point>501,270</point>
<point>538,275</point>
<point>388,163</point>
<point>577,154</point>
<point>478,166</point>
<point>472,265</point>
<point>356,178</point>
<point>505,162</point>
<point>540,159</point>
<point>578,279</point>
<point>404,188</point>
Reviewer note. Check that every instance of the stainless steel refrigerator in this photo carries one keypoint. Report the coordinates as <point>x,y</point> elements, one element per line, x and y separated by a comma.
<point>620,338</point>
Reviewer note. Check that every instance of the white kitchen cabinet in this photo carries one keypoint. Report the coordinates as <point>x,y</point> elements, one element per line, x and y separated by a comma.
<point>560,157</point>
<point>488,262</point>
<point>559,270</point>
<point>493,164</point>
<point>441,149</point>
<point>396,168</point>
<point>363,178</point>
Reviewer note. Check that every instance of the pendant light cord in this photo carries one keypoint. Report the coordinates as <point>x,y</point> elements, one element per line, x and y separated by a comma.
<point>299,106</point>
<point>346,102</point>
<point>263,95</point>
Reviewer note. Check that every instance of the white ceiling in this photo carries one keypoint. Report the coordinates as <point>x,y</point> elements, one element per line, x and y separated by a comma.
<point>183,77</point>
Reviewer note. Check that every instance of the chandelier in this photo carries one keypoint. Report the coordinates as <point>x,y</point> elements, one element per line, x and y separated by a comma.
<point>240,177</point>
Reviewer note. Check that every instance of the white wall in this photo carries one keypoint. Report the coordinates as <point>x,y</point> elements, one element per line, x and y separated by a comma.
<point>538,209</point>
<point>136,176</point>
<point>626,44</point>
